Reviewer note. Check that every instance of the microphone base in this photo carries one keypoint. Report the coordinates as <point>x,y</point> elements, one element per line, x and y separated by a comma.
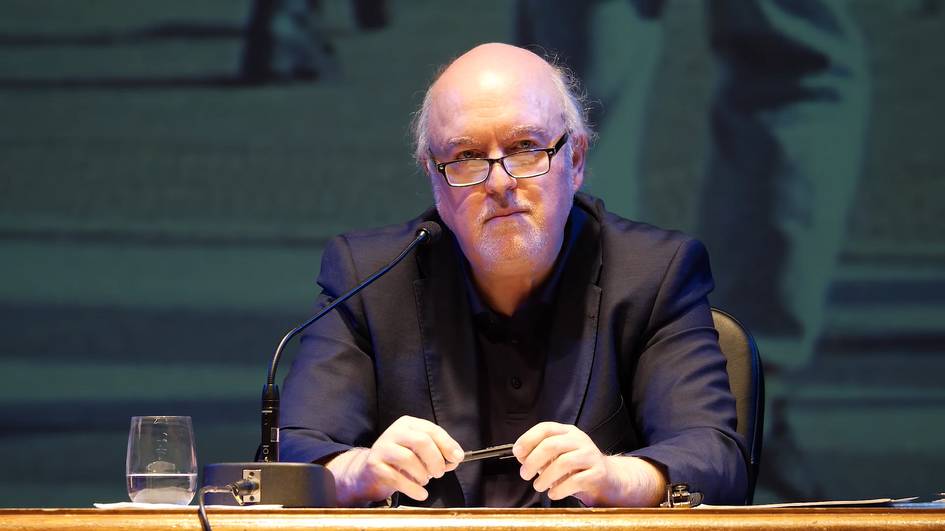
<point>286,484</point>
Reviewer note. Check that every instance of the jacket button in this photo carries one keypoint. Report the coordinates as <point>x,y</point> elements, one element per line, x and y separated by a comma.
<point>515,382</point>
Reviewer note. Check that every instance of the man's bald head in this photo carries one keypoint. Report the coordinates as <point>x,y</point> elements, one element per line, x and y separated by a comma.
<point>486,61</point>
<point>496,68</point>
<point>493,103</point>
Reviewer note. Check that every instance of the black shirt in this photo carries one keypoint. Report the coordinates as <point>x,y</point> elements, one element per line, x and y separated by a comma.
<point>512,354</point>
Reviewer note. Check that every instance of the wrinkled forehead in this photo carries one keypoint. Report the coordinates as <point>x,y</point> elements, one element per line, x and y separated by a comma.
<point>495,103</point>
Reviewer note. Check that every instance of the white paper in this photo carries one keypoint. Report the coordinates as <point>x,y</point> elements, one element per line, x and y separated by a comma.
<point>827,503</point>
<point>132,505</point>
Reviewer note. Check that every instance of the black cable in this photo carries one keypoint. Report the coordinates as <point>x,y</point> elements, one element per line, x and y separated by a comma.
<point>422,236</point>
<point>202,509</point>
<point>237,489</point>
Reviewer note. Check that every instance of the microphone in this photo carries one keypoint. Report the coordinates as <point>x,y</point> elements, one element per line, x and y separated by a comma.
<point>433,232</point>
<point>427,233</point>
<point>296,484</point>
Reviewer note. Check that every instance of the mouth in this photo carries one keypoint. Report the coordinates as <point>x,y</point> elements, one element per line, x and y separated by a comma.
<point>505,214</point>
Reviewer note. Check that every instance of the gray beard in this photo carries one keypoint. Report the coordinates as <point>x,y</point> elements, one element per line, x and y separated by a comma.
<point>529,248</point>
<point>494,253</point>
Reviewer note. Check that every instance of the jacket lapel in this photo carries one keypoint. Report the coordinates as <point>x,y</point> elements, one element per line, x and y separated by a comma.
<point>573,340</point>
<point>449,351</point>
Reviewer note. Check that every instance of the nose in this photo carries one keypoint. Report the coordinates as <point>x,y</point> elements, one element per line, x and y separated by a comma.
<point>499,181</point>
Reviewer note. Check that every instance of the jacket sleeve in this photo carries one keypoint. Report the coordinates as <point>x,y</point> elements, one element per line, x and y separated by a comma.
<point>681,399</point>
<point>329,399</point>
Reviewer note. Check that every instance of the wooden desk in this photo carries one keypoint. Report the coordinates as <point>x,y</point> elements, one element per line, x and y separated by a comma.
<point>475,519</point>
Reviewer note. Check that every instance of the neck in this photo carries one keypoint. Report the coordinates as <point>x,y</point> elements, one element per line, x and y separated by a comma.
<point>506,293</point>
<point>505,285</point>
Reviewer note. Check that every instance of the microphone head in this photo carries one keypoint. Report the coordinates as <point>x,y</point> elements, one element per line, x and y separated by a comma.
<point>432,230</point>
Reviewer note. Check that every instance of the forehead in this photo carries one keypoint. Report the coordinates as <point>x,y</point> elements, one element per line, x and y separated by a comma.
<point>494,105</point>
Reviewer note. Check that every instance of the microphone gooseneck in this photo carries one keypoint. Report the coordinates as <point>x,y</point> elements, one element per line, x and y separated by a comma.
<point>427,233</point>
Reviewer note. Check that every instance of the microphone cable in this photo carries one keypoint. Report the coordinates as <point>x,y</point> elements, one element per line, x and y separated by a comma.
<point>237,489</point>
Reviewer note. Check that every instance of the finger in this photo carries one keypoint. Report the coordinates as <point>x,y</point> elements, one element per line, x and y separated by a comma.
<point>561,467</point>
<point>401,482</point>
<point>405,460</point>
<point>407,486</point>
<point>449,448</point>
<point>574,484</point>
<point>402,423</point>
<point>422,445</point>
<point>525,444</point>
<point>545,452</point>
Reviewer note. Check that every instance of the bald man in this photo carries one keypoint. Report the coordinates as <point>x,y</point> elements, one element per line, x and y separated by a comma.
<point>539,319</point>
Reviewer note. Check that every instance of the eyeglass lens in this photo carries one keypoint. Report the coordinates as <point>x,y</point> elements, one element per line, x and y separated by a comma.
<point>524,164</point>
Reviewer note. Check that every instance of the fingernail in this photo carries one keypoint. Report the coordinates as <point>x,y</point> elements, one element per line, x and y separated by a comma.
<point>521,472</point>
<point>456,455</point>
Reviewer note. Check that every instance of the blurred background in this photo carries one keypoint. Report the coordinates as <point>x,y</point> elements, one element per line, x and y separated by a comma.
<point>169,173</point>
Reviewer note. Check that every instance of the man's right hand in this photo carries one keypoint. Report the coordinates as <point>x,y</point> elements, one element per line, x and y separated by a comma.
<point>403,458</point>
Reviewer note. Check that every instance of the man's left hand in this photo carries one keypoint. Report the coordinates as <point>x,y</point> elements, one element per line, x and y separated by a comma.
<point>568,463</point>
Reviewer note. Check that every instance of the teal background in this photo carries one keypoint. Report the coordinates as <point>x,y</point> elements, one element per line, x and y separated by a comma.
<point>160,228</point>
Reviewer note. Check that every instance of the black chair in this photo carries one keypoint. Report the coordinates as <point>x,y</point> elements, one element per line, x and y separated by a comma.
<point>746,380</point>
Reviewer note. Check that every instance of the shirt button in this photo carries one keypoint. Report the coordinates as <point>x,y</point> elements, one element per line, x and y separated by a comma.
<point>515,382</point>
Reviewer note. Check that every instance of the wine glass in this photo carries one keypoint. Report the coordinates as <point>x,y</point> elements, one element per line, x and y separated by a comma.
<point>162,460</point>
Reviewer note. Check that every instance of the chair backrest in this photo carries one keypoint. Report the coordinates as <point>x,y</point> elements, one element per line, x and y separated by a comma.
<point>746,380</point>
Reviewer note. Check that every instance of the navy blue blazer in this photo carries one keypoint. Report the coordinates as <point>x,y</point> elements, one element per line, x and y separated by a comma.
<point>634,359</point>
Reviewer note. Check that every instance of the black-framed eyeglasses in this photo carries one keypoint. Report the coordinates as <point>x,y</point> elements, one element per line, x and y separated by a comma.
<point>520,165</point>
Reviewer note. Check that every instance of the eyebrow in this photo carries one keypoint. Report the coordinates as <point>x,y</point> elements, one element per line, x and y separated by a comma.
<point>461,141</point>
<point>523,130</point>
<point>517,131</point>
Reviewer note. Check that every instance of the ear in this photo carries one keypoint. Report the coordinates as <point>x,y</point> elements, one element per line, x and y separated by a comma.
<point>578,158</point>
<point>428,166</point>
<point>437,182</point>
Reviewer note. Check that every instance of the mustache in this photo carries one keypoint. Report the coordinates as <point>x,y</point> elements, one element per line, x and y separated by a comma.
<point>493,209</point>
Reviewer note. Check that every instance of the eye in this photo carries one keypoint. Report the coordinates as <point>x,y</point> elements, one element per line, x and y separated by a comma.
<point>468,154</point>
<point>523,145</point>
